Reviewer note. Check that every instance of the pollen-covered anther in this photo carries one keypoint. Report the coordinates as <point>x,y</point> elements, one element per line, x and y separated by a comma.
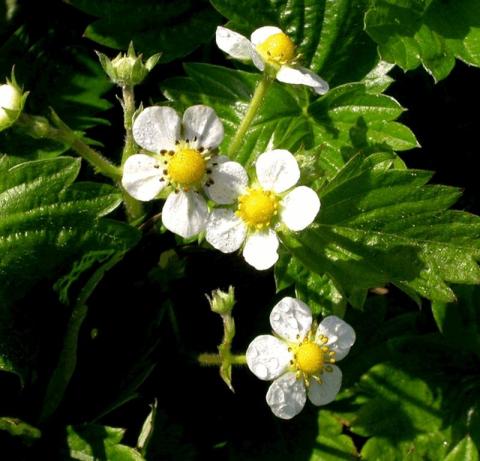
<point>277,49</point>
<point>257,208</point>
<point>186,167</point>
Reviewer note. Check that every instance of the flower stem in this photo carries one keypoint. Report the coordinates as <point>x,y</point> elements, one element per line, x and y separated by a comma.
<point>128,111</point>
<point>216,359</point>
<point>39,127</point>
<point>257,99</point>
<point>133,207</point>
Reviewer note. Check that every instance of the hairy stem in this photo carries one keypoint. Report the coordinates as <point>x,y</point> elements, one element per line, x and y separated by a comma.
<point>39,127</point>
<point>133,207</point>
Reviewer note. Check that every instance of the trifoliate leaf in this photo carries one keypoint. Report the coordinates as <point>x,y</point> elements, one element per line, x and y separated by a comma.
<point>47,221</point>
<point>381,226</point>
<point>428,32</point>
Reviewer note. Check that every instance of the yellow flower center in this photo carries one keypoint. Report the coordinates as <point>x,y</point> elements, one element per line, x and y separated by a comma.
<point>309,357</point>
<point>187,167</point>
<point>257,207</point>
<point>277,49</point>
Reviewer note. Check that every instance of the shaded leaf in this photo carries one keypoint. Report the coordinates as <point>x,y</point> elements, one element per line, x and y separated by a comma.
<point>174,28</point>
<point>93,442</point>
<point>66,77</point>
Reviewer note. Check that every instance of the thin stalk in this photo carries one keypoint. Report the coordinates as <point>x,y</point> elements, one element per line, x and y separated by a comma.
<point>40,127</point>
<point>128,111</point>
<point>257,99</point>
<point>133,207</point>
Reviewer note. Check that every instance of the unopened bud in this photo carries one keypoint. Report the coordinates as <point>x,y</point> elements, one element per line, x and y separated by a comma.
<point>128,69</point>
<point>12,100</point>
<point>222,303</point>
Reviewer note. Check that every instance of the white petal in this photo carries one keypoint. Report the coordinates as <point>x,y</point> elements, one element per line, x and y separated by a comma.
<point>185,213</point>
<point>321,394</point>
<point>142,176</point>
<point>301,76</point>
<point>202,122</point>
<point>157,128</point>
<point>291,319</point>
<point>225,231</point>
<point>268,357</point>
<point>277,170</point>
<point>260,249</point>
<point>234,44</point>
<point>286,396</point>
<point>229,181</point>
<point>260,35</point>
<point>340,334</point>
<point>299,208</point>
<point>257,60</point>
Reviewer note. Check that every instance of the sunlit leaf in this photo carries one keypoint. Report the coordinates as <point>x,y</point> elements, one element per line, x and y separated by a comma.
<point>381,226</point>
<point>428,32</point>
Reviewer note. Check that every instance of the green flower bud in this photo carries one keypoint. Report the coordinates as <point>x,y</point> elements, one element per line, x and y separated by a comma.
<point>222,303</point>
<point>128,69</point>
<point>12,100</point>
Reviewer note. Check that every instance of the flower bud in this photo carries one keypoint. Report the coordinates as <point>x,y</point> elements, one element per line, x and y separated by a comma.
<point>128,69</point>
<point>12,100</point>
<point>222,303</point>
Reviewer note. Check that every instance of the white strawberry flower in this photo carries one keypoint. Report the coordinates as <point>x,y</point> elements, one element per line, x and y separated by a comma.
<point>300,357</point>
<point>270,46</point>
<point>182,155</point>
<point>261,208</point>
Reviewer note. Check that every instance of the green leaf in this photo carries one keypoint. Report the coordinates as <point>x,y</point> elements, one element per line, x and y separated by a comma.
<point>380,226</point>
<point>45,223</point>
<point>317,291</point>
<point>428,32</point>
<point>93,442</point>
<point>460,321</point>
<point>331,444</point>
<point>327,32</point>
<point>346,120</point>
<point>19,428</point>
<point>402,415</point>
<point>465,450</point>
<point>66,77</point>
<point>173,27</point>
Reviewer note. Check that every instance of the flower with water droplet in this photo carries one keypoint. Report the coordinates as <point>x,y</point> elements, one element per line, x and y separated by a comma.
<point>262,208</point>
<point>300,357</point>
<point>182,154</point>
<point>271,50</point>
